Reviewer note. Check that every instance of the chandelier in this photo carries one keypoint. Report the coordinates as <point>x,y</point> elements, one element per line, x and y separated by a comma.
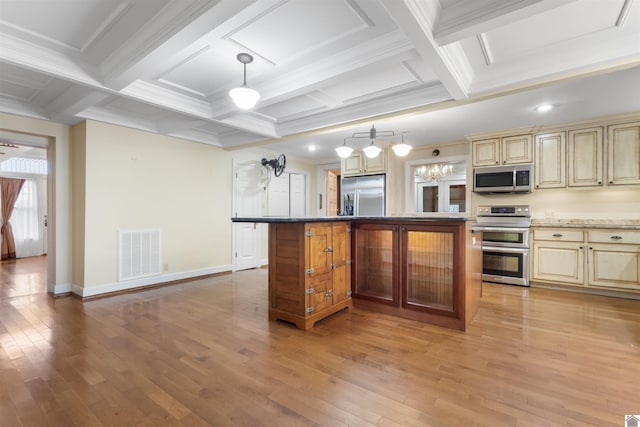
<point>372,150</point>
<point>434,172</point>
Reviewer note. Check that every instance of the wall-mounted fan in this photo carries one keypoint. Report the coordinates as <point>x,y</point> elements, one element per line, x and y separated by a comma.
<point>277,164</point>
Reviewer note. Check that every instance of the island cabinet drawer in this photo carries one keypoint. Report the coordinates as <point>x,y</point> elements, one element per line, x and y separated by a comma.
<point>614,236</point>
<point>559,235</point>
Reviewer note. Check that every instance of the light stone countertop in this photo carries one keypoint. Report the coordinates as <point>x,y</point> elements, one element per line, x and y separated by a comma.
<point>631,224</point>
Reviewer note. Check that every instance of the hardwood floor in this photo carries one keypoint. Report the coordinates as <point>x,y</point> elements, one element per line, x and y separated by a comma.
<point>24,276</point>
<point>204,353</point>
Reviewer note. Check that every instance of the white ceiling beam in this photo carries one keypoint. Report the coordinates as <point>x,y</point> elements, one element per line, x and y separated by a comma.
<point>174,30</point>
<point>64,108</point>
<point>450,64</point>
<point>467,18</point>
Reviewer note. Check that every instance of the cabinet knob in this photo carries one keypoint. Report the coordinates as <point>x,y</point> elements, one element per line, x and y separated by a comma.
<point>616,237</point>
<point>599,182</point>
<point>590,248</point>
<point>557,235</point>
<point>497,163</point>
<point>580,247</point>
<point>610,182</point>
<point>537,186</point>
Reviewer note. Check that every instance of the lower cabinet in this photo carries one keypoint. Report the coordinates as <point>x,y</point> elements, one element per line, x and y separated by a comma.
<point>420,272</point>
<point>589,258</point>
<point>309,271</point>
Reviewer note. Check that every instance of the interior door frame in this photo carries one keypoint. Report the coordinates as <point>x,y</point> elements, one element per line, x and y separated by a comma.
<point>321,186</point>
<point>236,163</point>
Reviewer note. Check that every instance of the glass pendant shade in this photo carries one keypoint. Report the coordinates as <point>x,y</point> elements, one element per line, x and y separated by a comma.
<point>402,149</point>
<point>344,151</point>
<point>372,151</point>
<point>244,97</point>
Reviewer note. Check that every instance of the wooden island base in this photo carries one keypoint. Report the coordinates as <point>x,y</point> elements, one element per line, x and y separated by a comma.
<point>424,269</point>
<point>308,322</point>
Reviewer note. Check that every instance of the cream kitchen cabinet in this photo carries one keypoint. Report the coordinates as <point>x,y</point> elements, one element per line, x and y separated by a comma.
<point>614,259</point>
<point>558,256</point>
<point>503,151</point>
<point>550,160</point>
<point>359,164</point>
<point>588,258</point>
<point>584,150</point>
<point>623,153</point>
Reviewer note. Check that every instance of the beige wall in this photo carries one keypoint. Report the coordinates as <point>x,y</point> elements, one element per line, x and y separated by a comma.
<point>139,180</point>
<point>78,171</point>
<point>59,189</point>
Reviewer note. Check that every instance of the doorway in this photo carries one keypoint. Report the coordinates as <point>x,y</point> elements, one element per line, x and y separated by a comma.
<point>249,184</point>
<point>26,157</point>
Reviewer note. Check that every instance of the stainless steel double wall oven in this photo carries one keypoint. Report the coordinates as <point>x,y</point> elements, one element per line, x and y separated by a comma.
<point>505,243</point>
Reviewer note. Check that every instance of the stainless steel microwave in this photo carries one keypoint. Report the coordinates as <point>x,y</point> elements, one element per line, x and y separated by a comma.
<point>503,179</point>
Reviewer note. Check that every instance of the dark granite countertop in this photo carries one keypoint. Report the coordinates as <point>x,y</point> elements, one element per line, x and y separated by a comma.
<point>282,219</point>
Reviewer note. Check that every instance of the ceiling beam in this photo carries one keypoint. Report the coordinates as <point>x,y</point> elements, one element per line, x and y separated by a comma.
<point>467,18</point>
<point>416,18</point>
<point>174,30</point>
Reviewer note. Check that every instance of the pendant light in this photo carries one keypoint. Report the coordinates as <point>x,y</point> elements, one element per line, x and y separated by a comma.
<point>372,151</point>
<point>344,150</point>
<point>401,149</point>
<point>244,97</point>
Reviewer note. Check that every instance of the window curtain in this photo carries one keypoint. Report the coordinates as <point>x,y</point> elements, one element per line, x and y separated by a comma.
<point>25,221</point>
<point>9,191</point>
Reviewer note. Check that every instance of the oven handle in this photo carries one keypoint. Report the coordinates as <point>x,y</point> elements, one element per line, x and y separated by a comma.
<point>503,229</point>
<point>506,250</point>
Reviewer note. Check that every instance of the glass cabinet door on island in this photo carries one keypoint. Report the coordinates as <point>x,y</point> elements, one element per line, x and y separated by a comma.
<point>376,263</point>
<point>429,275</point>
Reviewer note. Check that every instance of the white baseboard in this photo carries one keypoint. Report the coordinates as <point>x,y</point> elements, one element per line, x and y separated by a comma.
<point>147,281</point>
<point>63,288</point>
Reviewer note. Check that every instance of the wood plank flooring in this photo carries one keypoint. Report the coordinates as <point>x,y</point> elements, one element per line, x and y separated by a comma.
<point>203,353</point>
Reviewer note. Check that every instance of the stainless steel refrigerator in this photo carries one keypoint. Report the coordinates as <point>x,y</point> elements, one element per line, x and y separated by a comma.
<point>363,195</point>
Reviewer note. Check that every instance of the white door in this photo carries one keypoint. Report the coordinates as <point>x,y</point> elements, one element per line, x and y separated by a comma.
<point>248,187</point>
<point>278,195</point>
<point>297,195</point>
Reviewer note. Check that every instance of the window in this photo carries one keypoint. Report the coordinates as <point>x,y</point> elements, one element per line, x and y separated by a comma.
<point>440,187</point>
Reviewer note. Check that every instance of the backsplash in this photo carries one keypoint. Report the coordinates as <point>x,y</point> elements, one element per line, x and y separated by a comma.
<point>608,203</point>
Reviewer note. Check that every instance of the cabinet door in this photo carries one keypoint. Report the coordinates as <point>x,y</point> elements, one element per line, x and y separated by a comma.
<point>615,266</point>
<point>341,261</point>
<point>585,157</point>
<point>429,273</point>
<point>375,256</point>
<point>351,165</point>
<point>318,269</point>
<point>624,154</point>
<point>517,149</point>
<point>486,152</point>
<point>558,262</point>
<point>377,164</point>
<point>550,160</point>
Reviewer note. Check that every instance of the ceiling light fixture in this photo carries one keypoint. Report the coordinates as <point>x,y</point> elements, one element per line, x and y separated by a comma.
<point>435,172</point>
<point>543,108</point>
<point>401,149</point>
<point>244,97</point>
<point>344,150</point>
<point>372,151</point>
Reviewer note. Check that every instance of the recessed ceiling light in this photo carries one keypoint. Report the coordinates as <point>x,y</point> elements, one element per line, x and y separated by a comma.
<point>312,148</point>
<point>542,108</point>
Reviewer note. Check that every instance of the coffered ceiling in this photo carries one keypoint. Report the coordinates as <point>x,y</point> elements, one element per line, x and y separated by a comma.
<point>435,69</point>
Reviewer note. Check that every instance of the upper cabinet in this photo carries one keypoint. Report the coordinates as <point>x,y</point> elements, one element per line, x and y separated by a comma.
<point>584,150</point>
<point>550,160</point>
<point>503,151</point>
<point>359,164</point>
<point>577,157</point>
<point>624,153</point>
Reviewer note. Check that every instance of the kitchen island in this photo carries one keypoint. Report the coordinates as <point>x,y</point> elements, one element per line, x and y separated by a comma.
<point>427,269</point>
